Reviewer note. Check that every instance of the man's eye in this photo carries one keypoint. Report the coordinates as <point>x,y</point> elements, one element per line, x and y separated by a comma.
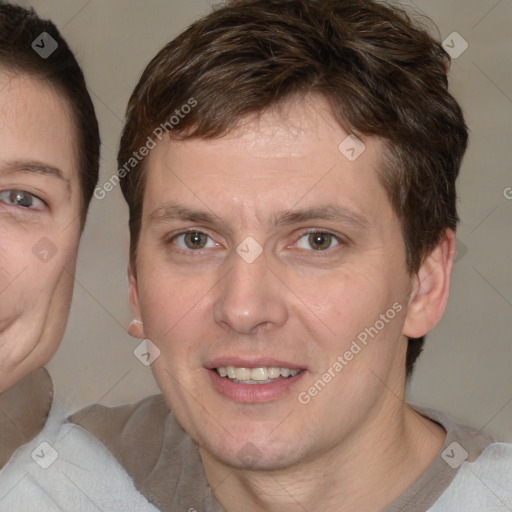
<point>22,199</point>
<point>318,240</point>
<point>193,240</point>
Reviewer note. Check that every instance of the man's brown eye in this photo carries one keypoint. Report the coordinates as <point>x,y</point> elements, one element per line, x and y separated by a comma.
<point>195,240</point>
<point>320,241</point>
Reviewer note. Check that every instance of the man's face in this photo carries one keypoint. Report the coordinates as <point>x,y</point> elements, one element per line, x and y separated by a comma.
<point>331,272</point>
<point>39,223</point>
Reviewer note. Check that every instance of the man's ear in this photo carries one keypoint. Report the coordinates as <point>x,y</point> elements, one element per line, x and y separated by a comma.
<point>136,328</point>
<point>430,293</point>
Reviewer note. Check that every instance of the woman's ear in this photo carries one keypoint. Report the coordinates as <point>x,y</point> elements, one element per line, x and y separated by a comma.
<point>136,328</point>
<point>430,292</point>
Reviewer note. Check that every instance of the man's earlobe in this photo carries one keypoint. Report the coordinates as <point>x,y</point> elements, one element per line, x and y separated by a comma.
<point>430,293</point>
<point>136,327</point>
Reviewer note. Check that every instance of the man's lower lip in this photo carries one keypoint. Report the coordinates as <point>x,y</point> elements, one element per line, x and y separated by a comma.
<point>253,393</point>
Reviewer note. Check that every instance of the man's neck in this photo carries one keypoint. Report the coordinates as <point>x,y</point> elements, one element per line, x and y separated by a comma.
<point>363,474</point>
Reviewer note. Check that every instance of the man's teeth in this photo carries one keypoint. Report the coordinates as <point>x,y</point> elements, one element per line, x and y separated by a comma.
<point>255,374</point>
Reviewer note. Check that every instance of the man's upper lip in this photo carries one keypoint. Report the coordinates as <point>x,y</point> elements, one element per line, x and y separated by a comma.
<point>252,362</point>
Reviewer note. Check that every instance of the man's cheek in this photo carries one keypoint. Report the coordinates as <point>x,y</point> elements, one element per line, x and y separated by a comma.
<point>165,307</point>
<point>172,378</point>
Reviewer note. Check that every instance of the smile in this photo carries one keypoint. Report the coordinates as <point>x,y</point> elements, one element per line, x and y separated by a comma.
<point>255,383</point>
<point>260,375</point>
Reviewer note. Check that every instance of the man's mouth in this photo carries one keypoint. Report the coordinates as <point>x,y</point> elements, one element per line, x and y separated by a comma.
<point>260,375</point>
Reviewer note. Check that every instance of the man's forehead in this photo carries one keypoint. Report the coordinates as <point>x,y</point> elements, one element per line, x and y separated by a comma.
<point>282,178</point>
<point>291,129</point>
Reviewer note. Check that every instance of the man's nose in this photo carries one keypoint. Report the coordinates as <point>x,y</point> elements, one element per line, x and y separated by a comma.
<point>251,298</point>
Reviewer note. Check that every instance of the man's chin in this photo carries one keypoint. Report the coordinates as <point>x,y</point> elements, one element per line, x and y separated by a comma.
<point>252,458</point>
<point>257,449</point>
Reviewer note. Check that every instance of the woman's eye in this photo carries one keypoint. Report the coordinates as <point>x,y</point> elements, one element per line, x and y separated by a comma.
<point>22,199</point>
<point>318,240</point>
<point>193,240</point>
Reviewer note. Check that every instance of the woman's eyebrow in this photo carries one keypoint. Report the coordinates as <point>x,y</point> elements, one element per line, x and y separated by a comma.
<point>32,167</point>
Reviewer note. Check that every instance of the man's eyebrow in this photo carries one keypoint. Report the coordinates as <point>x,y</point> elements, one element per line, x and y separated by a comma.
<point>332,213</point>
<point>33,167</point>
<point>171,211</point>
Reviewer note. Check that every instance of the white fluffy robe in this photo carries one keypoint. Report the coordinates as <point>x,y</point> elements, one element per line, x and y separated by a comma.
<point>85,477</point>
<point>482,485</point>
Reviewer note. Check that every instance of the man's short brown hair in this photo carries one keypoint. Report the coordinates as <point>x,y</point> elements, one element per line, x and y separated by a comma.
<point>382,74</point>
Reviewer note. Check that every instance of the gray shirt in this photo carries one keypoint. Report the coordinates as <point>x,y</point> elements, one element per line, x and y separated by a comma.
<point>166,466</point>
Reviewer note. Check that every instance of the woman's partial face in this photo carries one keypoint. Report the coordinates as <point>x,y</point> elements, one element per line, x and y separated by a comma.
<point>39,222</point>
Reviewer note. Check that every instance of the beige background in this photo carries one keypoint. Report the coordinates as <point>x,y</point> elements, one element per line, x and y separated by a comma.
<point>466,367</point>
